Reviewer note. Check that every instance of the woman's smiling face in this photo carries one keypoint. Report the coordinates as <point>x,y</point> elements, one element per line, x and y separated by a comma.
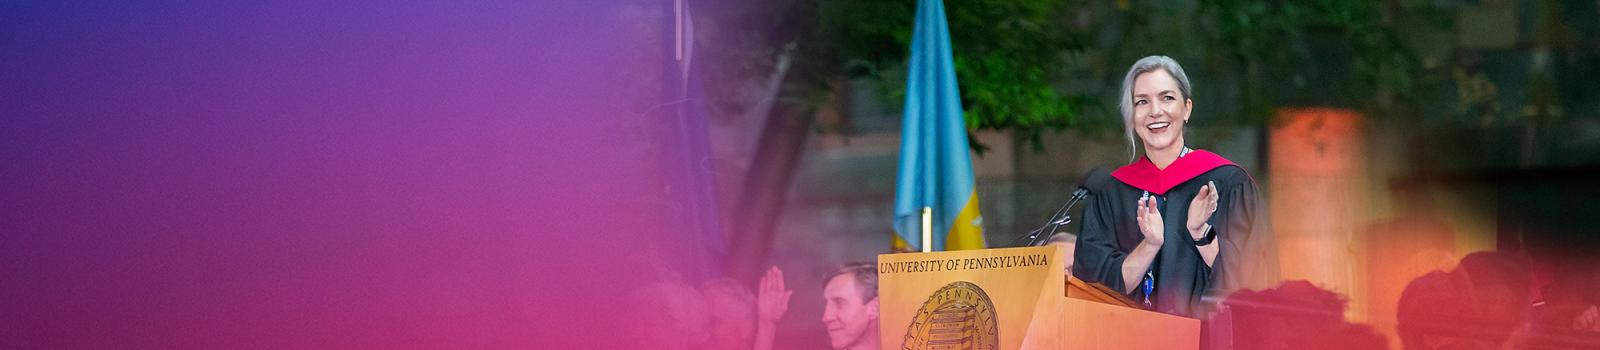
<point>1160,110</point>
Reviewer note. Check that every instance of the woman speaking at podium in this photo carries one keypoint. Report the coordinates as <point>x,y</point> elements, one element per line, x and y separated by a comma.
<point>1179,224</point>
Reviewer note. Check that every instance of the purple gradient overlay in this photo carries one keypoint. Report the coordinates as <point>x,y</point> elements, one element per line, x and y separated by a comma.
<point>333,175</point>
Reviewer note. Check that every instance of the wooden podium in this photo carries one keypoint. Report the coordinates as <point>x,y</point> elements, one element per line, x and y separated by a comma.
<point>1012,298</point>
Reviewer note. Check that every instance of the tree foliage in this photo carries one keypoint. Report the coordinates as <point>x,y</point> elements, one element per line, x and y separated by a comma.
<point>1008,54</point>
<point>1030,66</point>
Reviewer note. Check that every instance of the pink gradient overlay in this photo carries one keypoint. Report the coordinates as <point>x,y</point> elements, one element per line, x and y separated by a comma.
<point>316,175</point>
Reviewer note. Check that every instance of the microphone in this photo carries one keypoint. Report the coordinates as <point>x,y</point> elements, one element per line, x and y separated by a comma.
<point>1095,180</point>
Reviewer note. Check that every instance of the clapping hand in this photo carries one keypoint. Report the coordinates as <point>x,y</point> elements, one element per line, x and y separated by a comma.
<point>1150,222</point>
<point>1589,320</point>
<point>1200,210</point>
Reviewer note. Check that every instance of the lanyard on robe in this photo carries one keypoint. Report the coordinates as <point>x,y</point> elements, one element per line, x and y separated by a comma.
<point>1148,285</point>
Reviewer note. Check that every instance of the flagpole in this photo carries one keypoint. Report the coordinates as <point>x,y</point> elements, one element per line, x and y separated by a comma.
<point>927,229</point>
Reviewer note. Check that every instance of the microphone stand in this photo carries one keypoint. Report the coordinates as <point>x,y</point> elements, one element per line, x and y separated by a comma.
<point>1061,217</point>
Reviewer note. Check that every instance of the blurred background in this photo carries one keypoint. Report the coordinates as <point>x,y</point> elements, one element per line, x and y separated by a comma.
<point>510,174</point>
<point>1391,137</point>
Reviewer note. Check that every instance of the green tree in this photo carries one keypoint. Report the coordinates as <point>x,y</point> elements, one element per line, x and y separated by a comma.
<point>1031,66</point>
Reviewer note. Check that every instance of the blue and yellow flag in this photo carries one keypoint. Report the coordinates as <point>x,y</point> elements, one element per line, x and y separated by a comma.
<point>935,166</point>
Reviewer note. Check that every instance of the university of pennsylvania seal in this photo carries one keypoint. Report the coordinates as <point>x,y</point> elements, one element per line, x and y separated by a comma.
<point>957,316</point>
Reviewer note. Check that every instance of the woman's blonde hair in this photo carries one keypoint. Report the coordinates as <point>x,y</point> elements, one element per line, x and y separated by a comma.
<point>1146,65</point>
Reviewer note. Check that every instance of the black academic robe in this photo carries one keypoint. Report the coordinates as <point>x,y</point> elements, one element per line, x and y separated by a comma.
<point>1182,281</point>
